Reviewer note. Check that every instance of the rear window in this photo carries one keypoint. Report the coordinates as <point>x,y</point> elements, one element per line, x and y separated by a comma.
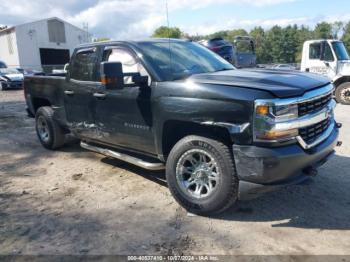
<point>245,47</point>
<point>84,64</point>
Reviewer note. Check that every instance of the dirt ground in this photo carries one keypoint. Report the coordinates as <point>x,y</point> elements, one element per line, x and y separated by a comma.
<point>72,201</point>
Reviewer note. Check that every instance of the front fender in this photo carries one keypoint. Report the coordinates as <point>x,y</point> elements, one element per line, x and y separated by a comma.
<point>232,116</point>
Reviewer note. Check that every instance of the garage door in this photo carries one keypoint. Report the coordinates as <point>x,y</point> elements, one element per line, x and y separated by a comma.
<point>50,56</point>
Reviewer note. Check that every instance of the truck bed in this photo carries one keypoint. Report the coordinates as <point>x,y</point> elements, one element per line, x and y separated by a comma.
<point>43,90</point>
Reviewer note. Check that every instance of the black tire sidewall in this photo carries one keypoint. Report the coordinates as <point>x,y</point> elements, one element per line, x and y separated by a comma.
<point>227,187</point>
<point>338,93</point>
<point>45,112</point>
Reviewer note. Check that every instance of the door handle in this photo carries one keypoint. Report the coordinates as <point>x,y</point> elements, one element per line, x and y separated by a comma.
<point>69,92</point>
<point>99,95</point>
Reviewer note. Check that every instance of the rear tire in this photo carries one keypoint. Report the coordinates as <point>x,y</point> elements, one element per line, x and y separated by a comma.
<point>50,133</point>
<point>201,175</point>
<point>342,93</point>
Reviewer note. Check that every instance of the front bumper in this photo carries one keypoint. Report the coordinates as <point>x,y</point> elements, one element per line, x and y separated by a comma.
<point>267,166</point>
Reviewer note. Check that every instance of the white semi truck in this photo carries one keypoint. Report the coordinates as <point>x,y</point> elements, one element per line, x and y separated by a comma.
<point>329,58</point>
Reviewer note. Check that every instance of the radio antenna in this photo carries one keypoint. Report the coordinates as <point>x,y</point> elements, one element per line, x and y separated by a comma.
<point>167,19</point>
<point>167,14</point>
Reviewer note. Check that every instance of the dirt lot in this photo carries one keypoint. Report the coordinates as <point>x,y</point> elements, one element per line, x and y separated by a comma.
<point>73,201</point>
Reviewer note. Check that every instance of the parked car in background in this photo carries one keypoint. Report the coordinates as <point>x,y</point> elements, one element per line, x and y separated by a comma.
<point>221,47</point>
<point>29,72</point>
<point>10,78</point>
<point>240,53</point>
<point>2,65</point>
<point>21,70</point>
<point>283,67</point>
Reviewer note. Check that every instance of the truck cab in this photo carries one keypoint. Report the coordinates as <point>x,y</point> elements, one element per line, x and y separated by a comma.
<point>331,59</point>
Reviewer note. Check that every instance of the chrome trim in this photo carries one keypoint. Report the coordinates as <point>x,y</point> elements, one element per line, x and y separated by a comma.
<point>232,128</point>
<point>130,159</point>
<point>321,138</point>
<point>308,96</point>
<point>307,120</point>
<point>301,122</point>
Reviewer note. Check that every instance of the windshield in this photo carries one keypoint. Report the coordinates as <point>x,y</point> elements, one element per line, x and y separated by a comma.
<point>182,60</point>
<point>340,51</point>
<point>5,71</point>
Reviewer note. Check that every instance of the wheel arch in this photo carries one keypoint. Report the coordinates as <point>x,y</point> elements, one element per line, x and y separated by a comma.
<point>341,80</point>
<point>175,130</point>
<point>38,102</point>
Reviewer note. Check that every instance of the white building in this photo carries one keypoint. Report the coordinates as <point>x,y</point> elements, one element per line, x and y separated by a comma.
<point>40,45</point>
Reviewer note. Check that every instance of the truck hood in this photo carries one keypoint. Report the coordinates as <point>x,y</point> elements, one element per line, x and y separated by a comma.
<point>280,84</point>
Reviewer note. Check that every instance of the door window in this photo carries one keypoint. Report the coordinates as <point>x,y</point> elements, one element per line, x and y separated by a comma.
<point>315,51</point>
<point>83,67</point>
<point>129,62</point>
<point>328,55</point>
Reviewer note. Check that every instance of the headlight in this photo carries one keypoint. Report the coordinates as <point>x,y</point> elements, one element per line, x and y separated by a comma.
<point>285,111</point>
<point>271,121</point>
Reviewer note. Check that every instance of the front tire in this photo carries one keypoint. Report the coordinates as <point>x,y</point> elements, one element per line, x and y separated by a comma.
<point>342,93</point>
<point>201,175</point>
<point>49,132</point>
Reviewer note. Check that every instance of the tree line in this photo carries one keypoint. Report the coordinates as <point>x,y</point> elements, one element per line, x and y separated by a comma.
<point>275,45</point>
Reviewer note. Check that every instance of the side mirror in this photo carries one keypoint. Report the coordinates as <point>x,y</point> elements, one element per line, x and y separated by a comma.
<point>112,75</point>
<point>140,80</point>
<point>327,64</point>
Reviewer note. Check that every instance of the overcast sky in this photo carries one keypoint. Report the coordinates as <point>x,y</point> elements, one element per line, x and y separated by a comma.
<point>133,19</point>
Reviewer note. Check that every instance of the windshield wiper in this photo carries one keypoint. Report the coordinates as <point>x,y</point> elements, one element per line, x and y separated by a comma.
<point>182,77</point>
<point>224,69</point>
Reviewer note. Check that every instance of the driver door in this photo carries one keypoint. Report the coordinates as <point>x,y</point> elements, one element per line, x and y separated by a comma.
<point>125,115</point>
<point>321,59</point>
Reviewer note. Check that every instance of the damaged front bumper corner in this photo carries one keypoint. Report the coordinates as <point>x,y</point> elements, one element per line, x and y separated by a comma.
<point>271,167</point>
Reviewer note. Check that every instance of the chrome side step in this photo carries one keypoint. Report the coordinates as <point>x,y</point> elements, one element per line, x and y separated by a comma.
<point>130,159</point>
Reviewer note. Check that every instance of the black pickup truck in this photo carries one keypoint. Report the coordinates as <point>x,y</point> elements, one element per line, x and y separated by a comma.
<point>175,105</point>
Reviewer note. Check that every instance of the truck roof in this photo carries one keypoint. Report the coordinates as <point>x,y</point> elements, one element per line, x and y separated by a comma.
<point>320,40</point>
<point>135,42</point>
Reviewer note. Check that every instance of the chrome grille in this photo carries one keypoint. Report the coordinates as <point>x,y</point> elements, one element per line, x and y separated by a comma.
<point>310,133</point>
<point>314,105</point>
